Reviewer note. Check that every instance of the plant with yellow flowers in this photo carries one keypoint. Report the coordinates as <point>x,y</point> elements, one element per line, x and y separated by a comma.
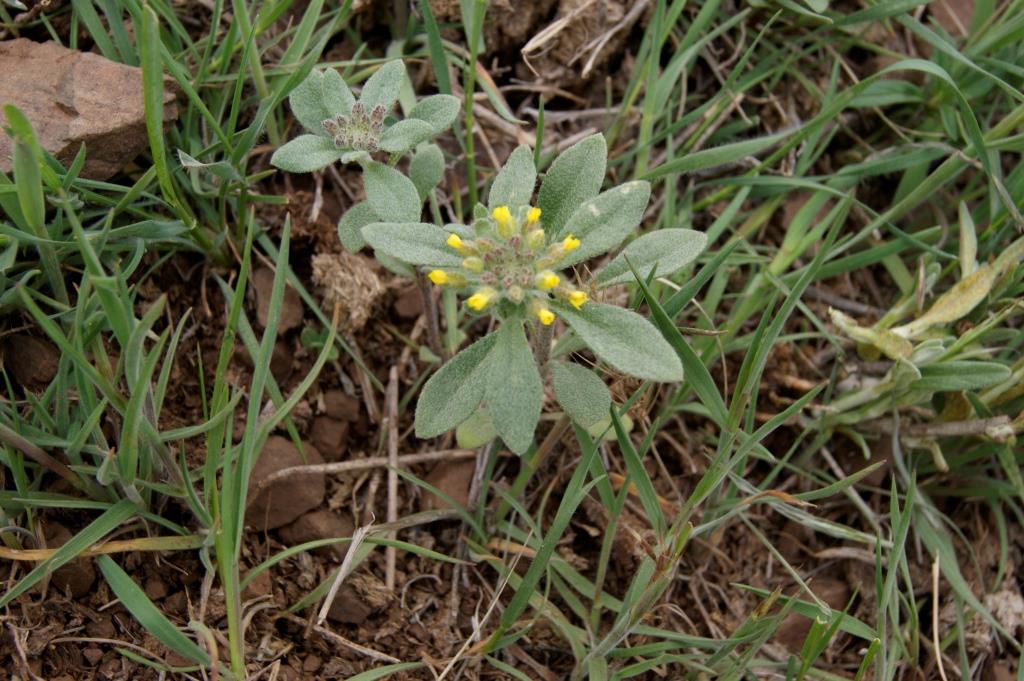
<point>515,262</point>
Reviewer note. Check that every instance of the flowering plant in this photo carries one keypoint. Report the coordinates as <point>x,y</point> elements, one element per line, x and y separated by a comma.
<point>513,262</point>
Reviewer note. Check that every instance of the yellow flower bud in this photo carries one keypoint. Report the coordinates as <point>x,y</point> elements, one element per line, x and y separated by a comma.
<point>535,238</point>
<point>545,316</point>
<point>439,277</point>
<point>481,299</point>
<point>533,217</point>
<point>455,241</point>
<point>547,280</point>
<point>503,216</point>
<point>577,298</point>
<point>473,264</point>
<point>570,243</point>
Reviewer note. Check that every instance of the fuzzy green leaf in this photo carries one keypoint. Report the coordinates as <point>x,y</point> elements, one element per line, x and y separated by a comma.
<point>514,390</point>
<point>514,184</point>
<point>426,169</point>
<point>452,394</point>
<point>305,153</point>
<point>322,95</point>
<point>476,431</point>
<point>604,222</point>
<point>404,135</point>
<point>581,392</point>
<point>575,176</point>
<point>383,86</point>
<point>415,243</point>
<point>439,111</point>
<point>624,339</point>
<point>392,195</point>
<point>665,251</point>
<point>350,226</point>
<point>963,375</point>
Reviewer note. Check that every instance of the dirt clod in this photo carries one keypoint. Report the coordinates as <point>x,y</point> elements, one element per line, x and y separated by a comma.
<point>291,303</point>
<point>32,361</point>
<point>75,98</point>
<point>93,656</point>
<point>795,627</point>
<point>329,437</point>
<point>287,499</point>
<point>320,524</point>
<point>409,304</point>
<point>78,576</point>
<point>451,477</point>
<point>155,588</point>
<point>261,585</point>
<point>348,608</point>
<point>342,406</point>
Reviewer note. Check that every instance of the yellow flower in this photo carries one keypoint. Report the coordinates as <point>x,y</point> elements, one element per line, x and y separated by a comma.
<point>473,264</point>
<point>455,241</point>
<point>535,238</point>
<point>439,277</point>
<point>577,298</point>
<point>503,216</point>
<point>570,243</point>
<point>545,316</point>
<point>547,280</point>
<point>533,217</point>
<point>481,299</point>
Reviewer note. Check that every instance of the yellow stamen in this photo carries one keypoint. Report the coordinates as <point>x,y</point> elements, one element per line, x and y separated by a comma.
<point>547,280</point>
<point>533,217</point>
<point>570,243</point>
<point>535,238</point>
<point>577,298</point>
<point>473,264</point>
<point>455,241</point>
<point>481,299</point>
<point>439,277</point>
<point>545,316</point>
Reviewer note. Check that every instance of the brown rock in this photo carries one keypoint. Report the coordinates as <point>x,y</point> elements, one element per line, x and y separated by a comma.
<point>32,361</point>
<point>329,436</point>
<point>342,406</point>
<point>74,98</point>
<point>795,627</point>
<point>451,477</point>
<point>291,303</point>
<point>281,361</point>
<point>102,629</point>
<point>287,499</point>
<point>320,524</point>
<point>78,576</point>
<point>155,588</point>
<point>176,603</point>
<point>261,585</point>
<point>348,608</point>
<point>92,656</point>
<point>409,304</point>
<point>312,664</point>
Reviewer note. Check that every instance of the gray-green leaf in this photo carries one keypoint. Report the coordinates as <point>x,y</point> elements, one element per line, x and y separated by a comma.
<point>665,251</point>
<point>404,135</point>
<point>604,222</point>
<point>351,224</point>
<point>575,176</point>
<point>416,243</point>
<point>581,392</point>
<point>514,184</point>
<point>452,394</point>
<point>322,95</point>
<point>439,111</point>
<point>383,86</point>
<point>514,390</point>
<point>963,375</point>
<point>426,169</point>
<point>392,195</point>
<point>624,339</point>
<point>305,153</point>
<point>476,431</point>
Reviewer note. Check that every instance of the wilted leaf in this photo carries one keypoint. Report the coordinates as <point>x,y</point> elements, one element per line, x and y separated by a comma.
<point>891,345</point>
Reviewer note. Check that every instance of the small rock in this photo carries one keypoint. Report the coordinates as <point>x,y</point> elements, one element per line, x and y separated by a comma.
<point>281,361</point>
<point>1001,672</point>
<point>451,477</point>
<point>155,588</point>
<point>342,406</point>
<point>102,629</point>
<point>795,627</point>
<point>329,436</point>
<point>261,585</point>
<point>176,603</point>
<point>320,524</point>
<point>287,499</point>
<point>409,304</point>
<point>291,303</point>
<point>32,361</point>
<point>92,656</point>
<point>76,577</point>
<point>348,608</point>
<point>74,98</point>
<point>312,664</point>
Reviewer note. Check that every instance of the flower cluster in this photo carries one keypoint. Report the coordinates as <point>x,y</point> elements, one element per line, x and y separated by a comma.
<point>511,260</point>
<point>360,130</point>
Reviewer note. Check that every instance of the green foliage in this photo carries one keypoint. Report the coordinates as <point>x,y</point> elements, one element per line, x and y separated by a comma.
<point>426,169</point>
<point>574,177</point>
<point>455,391</point>
<point>514,183</point>
<point>514,390</point>
<point>581,392</point>
<point>663,252</point>
<point>415,243</point>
